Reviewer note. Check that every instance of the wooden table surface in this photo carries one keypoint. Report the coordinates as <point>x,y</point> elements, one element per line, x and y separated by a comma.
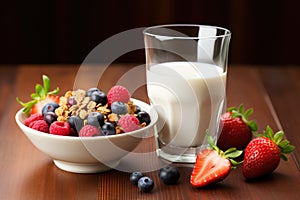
<point>26,173</point>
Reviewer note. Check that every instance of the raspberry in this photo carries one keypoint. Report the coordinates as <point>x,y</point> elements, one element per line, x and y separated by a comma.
<point>89,131</point>
<point>129,123</point>
<point>40,125</point>
<point>33,118</point>
<point>60,128</point>
<point>118,93</point>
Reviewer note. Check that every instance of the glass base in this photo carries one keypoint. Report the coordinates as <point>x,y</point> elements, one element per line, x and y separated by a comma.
<point>185,158</point>
<point>177,154</point>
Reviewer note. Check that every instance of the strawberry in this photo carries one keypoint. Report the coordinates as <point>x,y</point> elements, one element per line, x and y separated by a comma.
<point>41,97</point>
<point>262,154</point>
<point>213,165</point>
<point>236,128</point>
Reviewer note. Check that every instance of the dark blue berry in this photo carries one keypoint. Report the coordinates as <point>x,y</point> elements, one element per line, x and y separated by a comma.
<point>95,119</point>
<point>137,109</point>
<point>108,129</point>
<point>49,107</point>
<point>135,177</point>
<point>169,175</point>
<point>91,90</point>
<point>119,108</point>
<point>145,184</point>
<point>143,117</point>
<point>76,123</point>
<point>99,97</point>
<point>50,117</point>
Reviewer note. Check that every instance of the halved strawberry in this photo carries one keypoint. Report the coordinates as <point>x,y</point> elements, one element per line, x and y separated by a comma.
<point>37,108</point>
<point>41,97</point>
<point>213,165</point>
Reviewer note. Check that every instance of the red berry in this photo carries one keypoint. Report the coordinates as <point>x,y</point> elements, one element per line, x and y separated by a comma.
<point>129,123</point>
<point>33,118</point>
<point>236,128</point>
<point>235,132</point>
<point>40,125</point>
<point>262,154</point>
<point>60,128</point>
<point>89,131</point>
<point>118,93</point>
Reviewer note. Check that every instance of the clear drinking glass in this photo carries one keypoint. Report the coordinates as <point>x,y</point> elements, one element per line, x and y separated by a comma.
<point>186,68</point>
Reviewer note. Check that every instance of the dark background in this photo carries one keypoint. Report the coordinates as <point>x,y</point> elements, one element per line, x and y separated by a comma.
<point>65,31</point>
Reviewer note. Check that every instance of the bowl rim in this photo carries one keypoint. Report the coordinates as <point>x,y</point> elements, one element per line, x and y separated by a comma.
<point>152,112</point>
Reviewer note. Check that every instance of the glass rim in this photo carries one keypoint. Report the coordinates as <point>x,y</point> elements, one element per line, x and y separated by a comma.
<point>146,32</point>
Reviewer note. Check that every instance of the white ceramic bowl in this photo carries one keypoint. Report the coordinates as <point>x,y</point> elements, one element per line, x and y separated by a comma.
<point>88,154</point>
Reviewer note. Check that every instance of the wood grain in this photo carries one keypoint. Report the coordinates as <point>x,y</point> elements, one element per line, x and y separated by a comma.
<point>26,173</point>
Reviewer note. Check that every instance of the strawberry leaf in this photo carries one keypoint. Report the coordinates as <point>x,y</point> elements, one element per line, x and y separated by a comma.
<point>253,126</point>
<point>278,137</point>
<point>46,82</point>
<point>54,91</point>
<point>234,154</point>
<point>240,112</point>
<point>248,113</point>
<point>39,90</point>
<point>235,163</point>
<point>288,149</point>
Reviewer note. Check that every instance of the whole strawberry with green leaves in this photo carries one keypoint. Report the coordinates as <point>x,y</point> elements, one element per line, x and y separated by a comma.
<point>237,129</point>
<point>262,155</point>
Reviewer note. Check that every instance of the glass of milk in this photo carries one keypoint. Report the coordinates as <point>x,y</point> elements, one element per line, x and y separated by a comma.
<point>186,68</point>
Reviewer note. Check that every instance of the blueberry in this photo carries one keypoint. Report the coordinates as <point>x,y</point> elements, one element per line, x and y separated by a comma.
<point>99,97</point>
<point>119,108</point>
<point>91,90</point>
<point>76,123</point>
<point>108,129</point>
<point>95,119</point>
<point>169,175</point>
<point>145,184</point>
<point>50,117</point>
<point>49,107</point>
<point>137,109</point>
<point>135,177</point>
<point>143,117</point>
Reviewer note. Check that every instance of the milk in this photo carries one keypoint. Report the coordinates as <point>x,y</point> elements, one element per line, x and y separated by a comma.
<point>188,97</point>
